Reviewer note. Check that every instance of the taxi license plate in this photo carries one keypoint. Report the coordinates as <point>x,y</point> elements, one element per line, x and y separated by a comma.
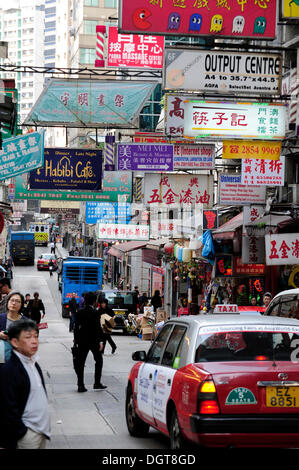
<point>282,397</point>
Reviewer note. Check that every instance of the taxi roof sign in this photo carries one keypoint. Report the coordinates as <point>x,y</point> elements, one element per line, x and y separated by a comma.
<point>226,308</point>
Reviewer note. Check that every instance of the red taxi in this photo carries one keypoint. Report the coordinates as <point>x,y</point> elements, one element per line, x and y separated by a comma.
<point>44,259</point>
<point>219,381</point>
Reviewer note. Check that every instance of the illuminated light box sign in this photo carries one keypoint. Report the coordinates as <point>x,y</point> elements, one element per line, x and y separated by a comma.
<point>108,212</point>
<point>240,120</point>
<point>234,19</point>
<point>222,72</point>
<point>290,9</point>
<point>194,157</point>
<point>134,50</point>
<point>259,149</point>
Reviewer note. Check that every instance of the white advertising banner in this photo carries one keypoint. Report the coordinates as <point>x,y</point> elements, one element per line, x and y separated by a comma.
<point>122,232</point>
<point>175,190</point>
<point>233,192</point>
<point>222,72</point>
<point>263,172</point>
<point>174,114</point>
<point>282,248</point>
<point>241,120</point>
<point>194,157</point>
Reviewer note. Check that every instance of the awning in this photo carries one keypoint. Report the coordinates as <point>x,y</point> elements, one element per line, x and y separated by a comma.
<point>122,248</point>
<point>227,230</point>
<point>269,223</point>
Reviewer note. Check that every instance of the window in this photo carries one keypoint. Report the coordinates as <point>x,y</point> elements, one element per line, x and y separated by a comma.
<point>171,356</point>
<point>87,56</point>
<point>157,347</point>
<point>110,4</point>
<point>246,346</point>
<point>91,3</point>
<point>90,26</point>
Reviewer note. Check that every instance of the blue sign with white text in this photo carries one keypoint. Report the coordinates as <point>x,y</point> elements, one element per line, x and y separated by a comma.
<point>108,212</point>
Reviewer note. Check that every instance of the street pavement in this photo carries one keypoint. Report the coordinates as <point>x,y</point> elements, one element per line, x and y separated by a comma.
<point>94,419</point>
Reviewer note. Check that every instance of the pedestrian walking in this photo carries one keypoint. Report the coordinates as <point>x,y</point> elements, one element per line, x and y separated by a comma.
<point>36,308</point>
<point>156,300</point>
<point>142,302</point>
<point>88,336</point>
<point>24,410</point>
<point>5,289</point>
<point>52,246</point>
<point>51,267</point>
<point>14,308</point>
<point>26,305</point>
<point>73,307</point>
<point>106,313</point>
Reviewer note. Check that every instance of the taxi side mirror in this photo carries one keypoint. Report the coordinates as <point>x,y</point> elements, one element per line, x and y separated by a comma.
<point>139,356</point>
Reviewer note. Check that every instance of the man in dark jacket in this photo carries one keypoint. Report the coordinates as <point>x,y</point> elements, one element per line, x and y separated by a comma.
<point>88,336</point>
<point>24,411</point>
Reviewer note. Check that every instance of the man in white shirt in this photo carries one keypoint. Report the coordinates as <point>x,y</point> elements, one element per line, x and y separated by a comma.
<point>23,398</point>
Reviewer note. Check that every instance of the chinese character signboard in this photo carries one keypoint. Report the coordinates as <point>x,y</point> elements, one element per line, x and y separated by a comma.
<point>174,114</point>
<point>69,169</point>
<point>194,157</point>
<point>248,269</point>
<point>173,190</point>
<point>251,149</point>
<point>233,192</point>
<point>263,172</point>
<point>253,248</point>
<point>122,232</point>
<point>108,212</point>
<point>21,154</point>
<point>241,120</point>
<point>222,72</point>
<point>282,249</point>
<point>90,103</point>
<point>115,184</point>
<point>134,50</point>
<point>145,157</point>
<point>227,18</point>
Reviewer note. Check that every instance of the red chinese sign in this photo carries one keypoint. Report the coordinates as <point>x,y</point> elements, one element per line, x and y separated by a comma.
<point>282,249</point>
<point>224,18</point>
<point>263,172</point>
<point>172,189</point>
<point>134,50</point>
<point>249,269</point>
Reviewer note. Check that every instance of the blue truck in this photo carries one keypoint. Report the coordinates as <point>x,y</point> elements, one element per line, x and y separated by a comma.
<point>22,249</point>
<point>79,275</point>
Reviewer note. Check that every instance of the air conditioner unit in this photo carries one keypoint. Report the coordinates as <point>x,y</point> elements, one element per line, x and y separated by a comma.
<point>289,194</point>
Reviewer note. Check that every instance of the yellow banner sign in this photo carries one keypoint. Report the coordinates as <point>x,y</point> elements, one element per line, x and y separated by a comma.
<point>251,149</point>
<point>290,9</point>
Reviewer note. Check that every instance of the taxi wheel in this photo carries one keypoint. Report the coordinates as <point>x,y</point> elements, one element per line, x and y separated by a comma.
<point>136,427</point>
<point>177,440</point>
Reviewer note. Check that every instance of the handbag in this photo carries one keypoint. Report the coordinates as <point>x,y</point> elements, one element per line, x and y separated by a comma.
<point>42,326</point>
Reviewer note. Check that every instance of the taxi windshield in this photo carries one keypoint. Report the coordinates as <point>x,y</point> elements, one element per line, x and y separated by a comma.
<point>247,346</point>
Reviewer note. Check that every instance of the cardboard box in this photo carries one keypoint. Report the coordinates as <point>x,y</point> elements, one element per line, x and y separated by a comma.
<point>161,315</point>
<point>145,322</point>
<point>147,334</point>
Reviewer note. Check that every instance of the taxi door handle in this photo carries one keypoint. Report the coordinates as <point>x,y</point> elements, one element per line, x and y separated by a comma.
<point>169,382</point>
<point>150,376</point>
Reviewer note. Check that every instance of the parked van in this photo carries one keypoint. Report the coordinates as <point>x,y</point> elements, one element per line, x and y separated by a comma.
<point>285,304</point>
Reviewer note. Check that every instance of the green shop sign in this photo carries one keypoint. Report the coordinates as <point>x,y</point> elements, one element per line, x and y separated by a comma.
<point>117,187</point>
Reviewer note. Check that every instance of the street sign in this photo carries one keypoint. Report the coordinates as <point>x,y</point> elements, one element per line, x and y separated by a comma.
<point>145,157</point>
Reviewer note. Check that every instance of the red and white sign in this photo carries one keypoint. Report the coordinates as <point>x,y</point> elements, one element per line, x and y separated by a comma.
<point>282,249</point>
<point>226,308</point>
<point>122,232</point>
<point>134,50</point>
<point>174,114</point>
<point>263,172</point>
